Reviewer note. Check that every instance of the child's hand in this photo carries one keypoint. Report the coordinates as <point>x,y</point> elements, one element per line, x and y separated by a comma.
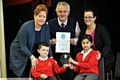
<point>71,66</point>
<point>71,60</point>
<point>65,65</point>
<point>43,76</point>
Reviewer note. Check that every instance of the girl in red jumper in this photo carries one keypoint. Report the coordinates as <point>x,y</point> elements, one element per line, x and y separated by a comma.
<point>85,63</point>
<point>46,66</point>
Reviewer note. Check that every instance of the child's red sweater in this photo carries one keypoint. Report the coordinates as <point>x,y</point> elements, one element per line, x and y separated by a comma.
<point>46,67</point>
<point>89,65</point>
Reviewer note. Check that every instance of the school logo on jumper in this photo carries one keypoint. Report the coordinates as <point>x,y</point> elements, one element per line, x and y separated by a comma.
<point>49,64</point>
<point>63,36</point>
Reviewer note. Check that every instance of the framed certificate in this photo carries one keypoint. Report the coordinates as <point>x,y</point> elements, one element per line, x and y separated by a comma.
<point>62,42</point>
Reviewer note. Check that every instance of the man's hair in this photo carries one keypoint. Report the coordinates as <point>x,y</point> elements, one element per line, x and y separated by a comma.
<point>43,44</point>
<point>63,3</point>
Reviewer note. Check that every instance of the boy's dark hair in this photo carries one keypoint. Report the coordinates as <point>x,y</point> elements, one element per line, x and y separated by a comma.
<point>43,44</point>
<point>87,36</point>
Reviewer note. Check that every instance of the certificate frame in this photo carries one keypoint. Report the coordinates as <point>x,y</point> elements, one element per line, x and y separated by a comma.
<point>62,42</point>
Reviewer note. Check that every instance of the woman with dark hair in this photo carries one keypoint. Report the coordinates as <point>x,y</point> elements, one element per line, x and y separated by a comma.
<point>100,36</point>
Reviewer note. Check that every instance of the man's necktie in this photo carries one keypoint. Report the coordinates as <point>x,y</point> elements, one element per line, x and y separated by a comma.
<point>62,25</point>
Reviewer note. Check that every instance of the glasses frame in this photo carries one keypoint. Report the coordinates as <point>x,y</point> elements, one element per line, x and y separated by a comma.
<point>89,17</point>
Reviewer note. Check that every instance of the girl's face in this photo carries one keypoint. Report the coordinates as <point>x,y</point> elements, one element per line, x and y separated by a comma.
<point>43,51</point>
<point>86,44</point>
<point>40,18</point>
<point>89,19</point>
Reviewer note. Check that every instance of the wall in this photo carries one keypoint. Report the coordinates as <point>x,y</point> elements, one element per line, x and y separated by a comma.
<point>2,44</point>
<point>14,17</point>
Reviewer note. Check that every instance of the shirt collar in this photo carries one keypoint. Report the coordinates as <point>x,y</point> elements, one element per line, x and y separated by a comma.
<point>82,52</point>
<point>65,23</point>
<point>43,59</point>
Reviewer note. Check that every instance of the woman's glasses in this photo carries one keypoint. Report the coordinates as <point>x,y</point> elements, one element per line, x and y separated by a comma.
<point>90,17</point>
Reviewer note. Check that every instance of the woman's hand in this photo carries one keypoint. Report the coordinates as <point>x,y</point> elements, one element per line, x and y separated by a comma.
<point>98,56</point>
<point>33,61</point>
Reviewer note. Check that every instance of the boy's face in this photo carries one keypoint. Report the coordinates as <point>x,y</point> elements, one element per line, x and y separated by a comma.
<point>86,44</point>
<point>43,51</point>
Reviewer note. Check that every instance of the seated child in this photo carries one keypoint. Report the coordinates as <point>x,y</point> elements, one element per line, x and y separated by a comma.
<point>86,63</point>
<point>46,66</point>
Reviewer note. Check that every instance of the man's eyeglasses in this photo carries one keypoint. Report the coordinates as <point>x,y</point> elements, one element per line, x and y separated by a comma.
<point>90,17</point>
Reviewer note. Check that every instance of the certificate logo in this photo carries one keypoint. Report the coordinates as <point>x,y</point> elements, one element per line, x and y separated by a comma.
<point>63,36</point>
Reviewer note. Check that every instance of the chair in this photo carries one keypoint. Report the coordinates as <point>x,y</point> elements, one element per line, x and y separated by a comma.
<point>117,68</point>
<point>58,77</point>
<point>110,75</point>
<point>101,69</point>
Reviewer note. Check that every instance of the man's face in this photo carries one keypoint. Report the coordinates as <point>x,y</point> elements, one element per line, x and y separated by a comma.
<point>62,13</point>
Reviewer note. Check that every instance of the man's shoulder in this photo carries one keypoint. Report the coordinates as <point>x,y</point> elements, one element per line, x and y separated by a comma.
<point>71,18</point>
<point>51,20</point>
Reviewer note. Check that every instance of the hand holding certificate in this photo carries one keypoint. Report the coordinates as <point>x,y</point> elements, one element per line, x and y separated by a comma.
<point>62,42</point>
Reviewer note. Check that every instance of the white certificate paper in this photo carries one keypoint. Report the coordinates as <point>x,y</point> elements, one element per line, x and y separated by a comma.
<point>62,42</point>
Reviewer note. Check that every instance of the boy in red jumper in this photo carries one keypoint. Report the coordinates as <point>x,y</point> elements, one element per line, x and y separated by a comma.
<point>85,63</point>
<point>46,66</point>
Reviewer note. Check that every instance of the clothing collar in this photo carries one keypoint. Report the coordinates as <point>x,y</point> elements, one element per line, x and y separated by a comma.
<point>82,52</point>
<point>65,23</point>
<point>43,59</point>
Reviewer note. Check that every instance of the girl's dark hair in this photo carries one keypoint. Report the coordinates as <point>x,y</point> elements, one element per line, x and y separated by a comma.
<point>42,44</point>
<point>87,36</point>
